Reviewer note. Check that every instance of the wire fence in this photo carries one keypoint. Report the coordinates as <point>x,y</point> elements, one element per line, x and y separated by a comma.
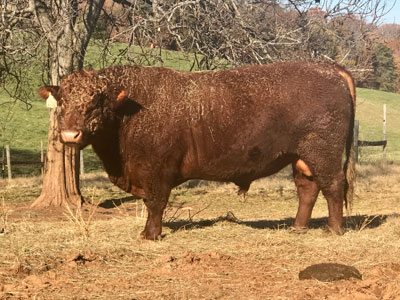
<point>15,165</point>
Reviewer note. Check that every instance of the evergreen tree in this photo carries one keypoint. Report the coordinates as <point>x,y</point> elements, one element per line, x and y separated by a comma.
<point>384,69</point>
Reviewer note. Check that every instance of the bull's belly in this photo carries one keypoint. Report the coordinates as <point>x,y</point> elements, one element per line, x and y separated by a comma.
<point>236,168</point>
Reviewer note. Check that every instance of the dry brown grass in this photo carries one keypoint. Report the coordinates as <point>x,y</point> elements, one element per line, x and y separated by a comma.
<point>226,248</point>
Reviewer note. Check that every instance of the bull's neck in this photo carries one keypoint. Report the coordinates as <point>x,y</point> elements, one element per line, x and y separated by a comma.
<point>108,151</point>
<point>134,81</point>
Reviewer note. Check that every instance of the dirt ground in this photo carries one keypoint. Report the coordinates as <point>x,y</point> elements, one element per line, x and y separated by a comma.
<point>215,244</point>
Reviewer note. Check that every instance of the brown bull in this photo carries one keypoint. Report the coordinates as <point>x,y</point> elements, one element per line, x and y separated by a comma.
<point>155,128</point>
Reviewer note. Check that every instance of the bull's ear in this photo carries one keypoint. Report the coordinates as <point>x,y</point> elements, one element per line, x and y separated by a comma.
<point>46,90</point>
<point>125,105</point>
<point>121,98</point>
<point>50,94</point>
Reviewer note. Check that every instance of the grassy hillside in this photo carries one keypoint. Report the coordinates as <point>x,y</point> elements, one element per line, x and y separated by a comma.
<point>370,114</point>
<point>29,127</point>
<point>23,133</point>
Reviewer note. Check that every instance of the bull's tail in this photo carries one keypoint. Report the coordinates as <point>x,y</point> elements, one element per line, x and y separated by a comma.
<point>350,162</point>
<point>350,174</point>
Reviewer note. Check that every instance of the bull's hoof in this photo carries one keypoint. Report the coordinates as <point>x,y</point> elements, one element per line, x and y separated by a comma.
<point>151,236</point>
<point>334,230</point>
<point>297,230</point>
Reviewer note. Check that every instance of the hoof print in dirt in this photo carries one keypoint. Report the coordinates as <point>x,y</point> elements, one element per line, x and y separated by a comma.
<point>328,272</point>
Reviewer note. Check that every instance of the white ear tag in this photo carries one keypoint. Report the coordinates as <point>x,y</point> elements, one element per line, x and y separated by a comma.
<point>51,102</point>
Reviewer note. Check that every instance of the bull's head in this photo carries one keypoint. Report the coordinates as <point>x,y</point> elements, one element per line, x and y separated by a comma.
<point>89,104</point>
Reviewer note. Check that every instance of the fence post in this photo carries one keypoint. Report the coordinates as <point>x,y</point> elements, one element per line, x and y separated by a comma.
<point>384,133</point>
<point>8,162</point>
<point>82,165</point>
<point>41,157</point>
<point>3,159</point>
<point>356,127</point>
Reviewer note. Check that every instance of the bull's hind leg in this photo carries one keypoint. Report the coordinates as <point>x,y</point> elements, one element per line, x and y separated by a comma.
<point>334,194</point>
<point>307,191</point>
<point>323,153</point>
<point>329,176</point>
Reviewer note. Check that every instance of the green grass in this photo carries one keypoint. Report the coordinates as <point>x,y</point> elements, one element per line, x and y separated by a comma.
<point>23,133</point>
<point>370,115</point>
<point>28,128</point>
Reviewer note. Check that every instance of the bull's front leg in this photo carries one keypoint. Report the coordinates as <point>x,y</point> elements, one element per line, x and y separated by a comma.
<point>156,201</point>
<point>153,228</point>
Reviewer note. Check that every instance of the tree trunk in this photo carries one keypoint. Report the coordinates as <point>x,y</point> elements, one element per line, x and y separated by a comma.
<point>61,173</point>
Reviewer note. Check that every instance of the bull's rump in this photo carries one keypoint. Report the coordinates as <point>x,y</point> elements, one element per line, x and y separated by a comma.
<point>251,121</point>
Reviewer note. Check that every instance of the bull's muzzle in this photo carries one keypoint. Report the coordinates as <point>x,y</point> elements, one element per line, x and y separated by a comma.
<point>71,137</point>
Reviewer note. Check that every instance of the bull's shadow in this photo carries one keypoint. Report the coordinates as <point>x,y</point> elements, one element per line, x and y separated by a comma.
<point>357,222</point>
<point>112,203</point>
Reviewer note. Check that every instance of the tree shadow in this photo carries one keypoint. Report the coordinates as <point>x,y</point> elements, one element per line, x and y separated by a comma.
<point>358,222</point>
